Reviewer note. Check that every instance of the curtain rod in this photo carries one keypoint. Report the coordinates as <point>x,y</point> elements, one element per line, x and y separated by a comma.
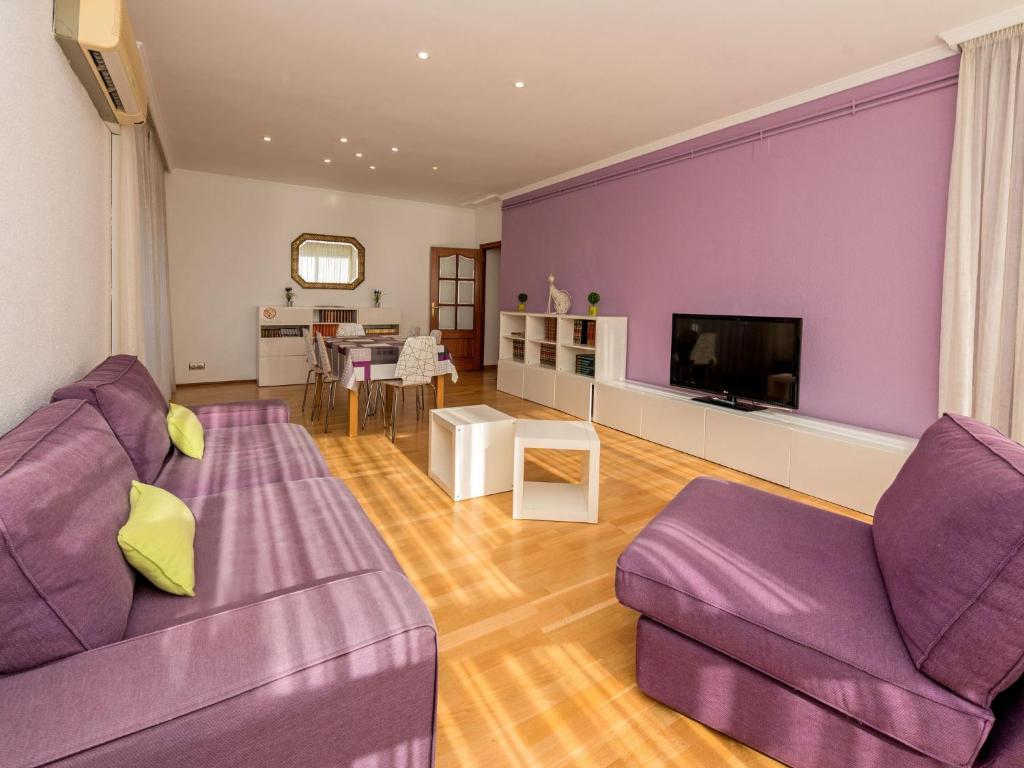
<point>846,109</point>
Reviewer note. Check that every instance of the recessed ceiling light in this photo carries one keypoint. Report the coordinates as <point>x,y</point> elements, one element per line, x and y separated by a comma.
<point>327,160</point>
<point>267,138</point>
<point>359,154</point>
<point>343,140</point>
<point>435,168</point>
<point>423,55</point>
<point>373,167</point>
<point>394,149</point>
<point>519,84</point>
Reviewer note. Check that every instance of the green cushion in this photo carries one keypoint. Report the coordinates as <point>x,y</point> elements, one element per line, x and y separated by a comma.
<point>186,431</point>
<point>157,539</point>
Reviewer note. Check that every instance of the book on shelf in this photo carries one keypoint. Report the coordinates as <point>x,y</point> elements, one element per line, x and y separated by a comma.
<point>325,329</point>
<point>281,332</point>
<point>547,355</point>
<point>585,365</point>
<point>584,332</point>
<point>518,350</point>
<point>336,315</point>
<point>550,329</point>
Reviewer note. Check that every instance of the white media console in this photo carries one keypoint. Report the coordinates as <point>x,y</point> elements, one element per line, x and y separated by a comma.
<point>837,462</point>
<point>846,465</point>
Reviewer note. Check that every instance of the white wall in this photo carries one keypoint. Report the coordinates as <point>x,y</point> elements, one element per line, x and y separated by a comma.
<point>54,218</point>
<point>488,223</point>
<point>229,243</point>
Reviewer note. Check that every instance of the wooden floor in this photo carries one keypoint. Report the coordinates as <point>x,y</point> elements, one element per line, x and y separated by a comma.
<point>537,665</point>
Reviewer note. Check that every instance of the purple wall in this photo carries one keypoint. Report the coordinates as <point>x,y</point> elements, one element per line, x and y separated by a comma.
<point>841,223</point>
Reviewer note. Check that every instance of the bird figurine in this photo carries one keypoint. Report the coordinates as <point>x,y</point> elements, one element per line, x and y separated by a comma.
<point>559,302</point>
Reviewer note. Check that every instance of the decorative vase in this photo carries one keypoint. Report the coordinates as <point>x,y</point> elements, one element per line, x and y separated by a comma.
<point>593,310</point>
<point>522,307</point>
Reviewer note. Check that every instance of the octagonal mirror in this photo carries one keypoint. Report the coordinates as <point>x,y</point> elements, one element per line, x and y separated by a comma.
<point>328,261</point>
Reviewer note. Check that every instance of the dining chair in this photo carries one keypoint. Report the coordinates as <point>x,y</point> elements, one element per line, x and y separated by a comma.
<point>416,367</point>
<point>375,391</point>
<point>351,329</point>
<point>329,379</point>
<point>312,372</point>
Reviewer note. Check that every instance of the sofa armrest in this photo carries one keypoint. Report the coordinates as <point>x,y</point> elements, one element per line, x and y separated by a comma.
<point>328,674</point>
<point>244,414</point>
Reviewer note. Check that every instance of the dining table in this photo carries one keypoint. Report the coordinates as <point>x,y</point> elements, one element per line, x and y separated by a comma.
<point>373,358</point>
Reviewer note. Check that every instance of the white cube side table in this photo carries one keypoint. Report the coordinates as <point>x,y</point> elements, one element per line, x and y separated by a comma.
<point>471,450</point>
<point>565,502</point>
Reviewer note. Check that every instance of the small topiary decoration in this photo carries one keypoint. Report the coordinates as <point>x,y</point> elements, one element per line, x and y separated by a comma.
<point>593,297</point>
<point>522,302</point>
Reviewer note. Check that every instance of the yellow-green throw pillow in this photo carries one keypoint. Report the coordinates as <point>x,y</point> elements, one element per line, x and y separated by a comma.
<point>186,431</point>
<point>157,539</point>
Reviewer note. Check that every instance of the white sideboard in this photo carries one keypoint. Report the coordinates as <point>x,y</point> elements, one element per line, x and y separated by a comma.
<point>836,462</point>
<point>537,357</point>
<point>282,352</point>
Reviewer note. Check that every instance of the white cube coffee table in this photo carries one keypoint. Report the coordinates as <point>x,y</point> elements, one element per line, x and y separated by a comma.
<point>566,502</point>
<point>471,450</point>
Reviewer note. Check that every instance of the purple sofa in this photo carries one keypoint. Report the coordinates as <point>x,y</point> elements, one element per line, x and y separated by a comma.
<point>304,646</point>
<point>829,643</point>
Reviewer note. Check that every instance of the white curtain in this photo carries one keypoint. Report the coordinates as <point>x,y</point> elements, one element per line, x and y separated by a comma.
<point>982,353</point>
<point>321,261</point>
<point>141,306</point>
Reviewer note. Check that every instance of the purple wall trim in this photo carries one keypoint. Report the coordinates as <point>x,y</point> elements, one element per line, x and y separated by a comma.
<point>841,222</point>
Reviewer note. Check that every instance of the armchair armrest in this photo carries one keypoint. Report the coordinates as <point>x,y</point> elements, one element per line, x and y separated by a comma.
<point>242,414</point>
<point>325,675</point>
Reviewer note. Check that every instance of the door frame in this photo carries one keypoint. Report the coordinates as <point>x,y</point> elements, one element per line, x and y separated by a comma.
<point>478,314</point>
<point>484,247</point>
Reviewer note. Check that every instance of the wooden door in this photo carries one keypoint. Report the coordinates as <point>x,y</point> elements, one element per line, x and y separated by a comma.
<point>457,303</point>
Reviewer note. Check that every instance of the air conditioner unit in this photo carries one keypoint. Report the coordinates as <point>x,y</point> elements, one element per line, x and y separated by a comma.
<point>97,38</point>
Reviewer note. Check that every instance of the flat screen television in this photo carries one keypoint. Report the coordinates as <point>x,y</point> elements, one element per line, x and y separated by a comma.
<point>741,361</point>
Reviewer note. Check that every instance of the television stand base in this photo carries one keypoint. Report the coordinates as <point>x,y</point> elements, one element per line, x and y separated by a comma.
<point>729,403</point>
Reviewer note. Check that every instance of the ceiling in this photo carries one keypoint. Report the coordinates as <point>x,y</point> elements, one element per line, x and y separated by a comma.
<point>601,77</point>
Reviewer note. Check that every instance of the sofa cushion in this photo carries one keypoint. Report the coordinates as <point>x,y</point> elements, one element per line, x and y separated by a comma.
<point>949,533</point>
<point>64,586</point>
<point>256,542</point>
<point>122,390</point>
<point>794,592</point>
<point>157,539</point>
<point>757,711</point>
<point>242,414</point>
<point>185,430</point>
<point>242,457</point>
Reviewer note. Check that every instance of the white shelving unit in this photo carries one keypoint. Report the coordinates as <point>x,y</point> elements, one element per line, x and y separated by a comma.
<point>837,462</point>
<point>537,358</point>
<point>282,352</point>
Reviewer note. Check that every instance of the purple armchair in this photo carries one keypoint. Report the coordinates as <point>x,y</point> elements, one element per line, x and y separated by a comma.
<point>828,643</point>
<point>305,643</point>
